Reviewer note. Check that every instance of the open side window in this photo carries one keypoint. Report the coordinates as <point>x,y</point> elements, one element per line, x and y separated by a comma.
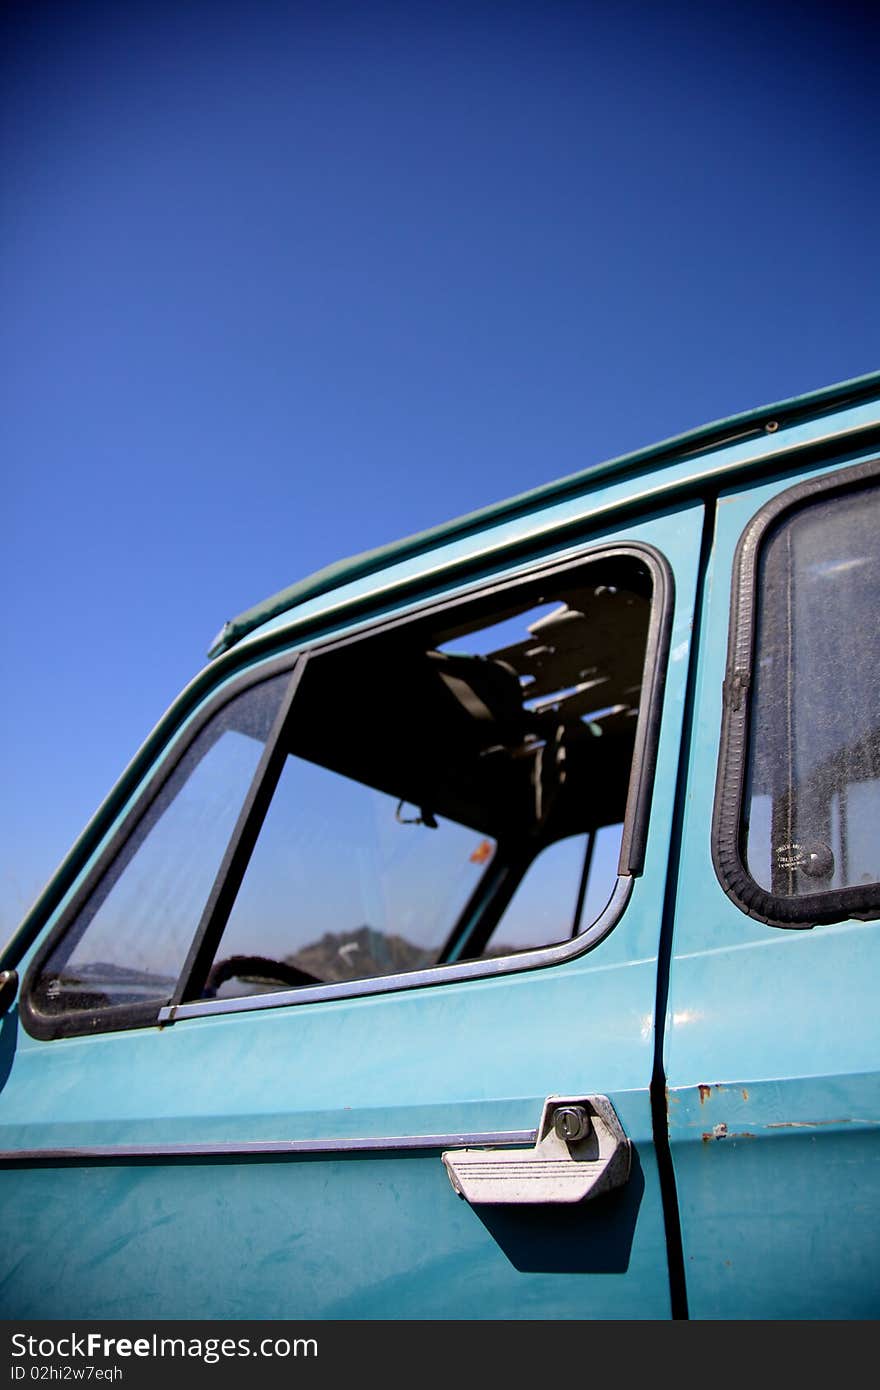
<point>456,793</point>
<point>796,835</point>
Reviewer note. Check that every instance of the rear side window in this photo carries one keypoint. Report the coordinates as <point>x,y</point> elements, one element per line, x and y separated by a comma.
<point>798,820</point>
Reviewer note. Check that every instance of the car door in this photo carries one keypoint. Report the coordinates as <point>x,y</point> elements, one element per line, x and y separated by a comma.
<point>772,1048</point>
<point>280,1154</point>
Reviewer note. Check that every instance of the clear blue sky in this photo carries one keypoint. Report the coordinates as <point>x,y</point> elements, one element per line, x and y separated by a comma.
<point>282,282</point>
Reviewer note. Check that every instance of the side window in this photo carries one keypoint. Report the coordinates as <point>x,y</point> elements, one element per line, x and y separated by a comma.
<point>450,790</point>
<point>808,832</point>
<point>443,790</point>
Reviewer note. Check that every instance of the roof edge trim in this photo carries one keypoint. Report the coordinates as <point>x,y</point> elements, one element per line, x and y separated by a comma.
<point>368,562</point>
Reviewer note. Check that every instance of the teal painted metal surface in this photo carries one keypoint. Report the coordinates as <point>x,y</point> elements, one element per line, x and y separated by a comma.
<point>354,1238</point>
<point>772,1058</point>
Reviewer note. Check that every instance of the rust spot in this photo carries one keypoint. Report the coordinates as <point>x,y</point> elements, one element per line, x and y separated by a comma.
<point>745,1094</point>
<point>722,1132</point>
<point>808,1124</point>
<point>717,1132</point>
<point>705,1092</point>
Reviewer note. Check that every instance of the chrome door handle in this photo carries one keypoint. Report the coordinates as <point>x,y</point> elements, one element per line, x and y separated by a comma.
<point>581,1151</point>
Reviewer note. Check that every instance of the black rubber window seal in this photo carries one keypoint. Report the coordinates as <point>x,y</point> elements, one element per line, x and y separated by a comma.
<point>860,902</point>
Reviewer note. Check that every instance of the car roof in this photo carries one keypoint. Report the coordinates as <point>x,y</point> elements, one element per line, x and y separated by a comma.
<point>668,451</point>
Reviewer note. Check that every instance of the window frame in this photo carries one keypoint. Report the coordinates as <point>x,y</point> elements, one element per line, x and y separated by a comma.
<point>861,901</point>
<point>206,936</point>
<point>124,1016</point>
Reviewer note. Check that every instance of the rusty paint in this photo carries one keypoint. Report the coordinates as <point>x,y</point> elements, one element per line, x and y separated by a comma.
<point>810,1124</point>
<point>705,1092</point>
<point>722,1132</point>
<point>717,1132</point>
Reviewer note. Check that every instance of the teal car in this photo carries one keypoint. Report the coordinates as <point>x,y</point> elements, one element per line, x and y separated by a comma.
<point>490,930</point>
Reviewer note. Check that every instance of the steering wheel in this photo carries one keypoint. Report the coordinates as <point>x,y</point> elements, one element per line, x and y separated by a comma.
<point>229,966</point>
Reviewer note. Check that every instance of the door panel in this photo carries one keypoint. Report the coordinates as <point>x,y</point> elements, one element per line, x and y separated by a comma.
<point>772,1051</point>
<point>340,1234</point>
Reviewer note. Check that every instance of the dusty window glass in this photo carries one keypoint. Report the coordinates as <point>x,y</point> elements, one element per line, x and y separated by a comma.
<point>812,805</point>
<point>129,941</point>
<point>432,770</point>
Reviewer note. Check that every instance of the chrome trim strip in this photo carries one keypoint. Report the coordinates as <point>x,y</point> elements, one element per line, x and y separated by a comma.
<point>435,975</point>
<point>269,1147</point>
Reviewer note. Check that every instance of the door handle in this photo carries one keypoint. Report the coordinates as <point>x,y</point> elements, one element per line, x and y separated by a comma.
<point>581,1151</point>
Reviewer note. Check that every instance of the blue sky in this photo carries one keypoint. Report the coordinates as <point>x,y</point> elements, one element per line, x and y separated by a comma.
<point>284,282</point>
